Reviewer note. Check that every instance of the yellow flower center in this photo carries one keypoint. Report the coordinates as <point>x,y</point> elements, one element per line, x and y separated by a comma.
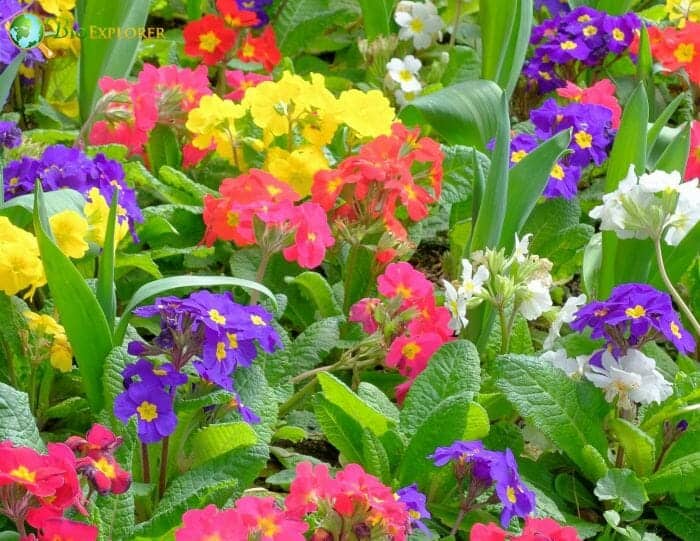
<point>147,411</point>
<point>590,30</point>
<point>24,474</point>
<point>517,156</point>
<point>105,467</point>
<point>636,312</point>
<point>557,172</point>
<point>232,340</point>
<point>568,45</point>
<point>583,139</point>
<point>417,25</point>
<point>510,494</point>
<point>618,35</point>
<point>216,317</point>
<point>546,76</point>
<point>413,514</point>
<point>584,18</point>
<point>220,351</point>
<point>410,350</point>
<point>160,372</point>
<point>675,330</point>
<point>208,42</point>
<point>232,219</point>
<point>685,52</point>
<point>268,527</point>
<point>311,237</point>
<point>257,320</point>
<point>248,51</point>
<point>405,75</point>
<point>403,291</point>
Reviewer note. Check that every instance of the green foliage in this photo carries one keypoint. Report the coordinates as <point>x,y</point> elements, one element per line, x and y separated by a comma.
<point>681,475</point>
<point>16,420</point>
<point>625,489</point>
<point>640,449</point>
<point>684,523</point>
<point>7,77</point>
<point>377,16</point>
<point>215,440</point>
<point>163,148</point>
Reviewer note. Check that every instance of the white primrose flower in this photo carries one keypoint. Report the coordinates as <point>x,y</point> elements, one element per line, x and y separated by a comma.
<point>632,378</point>
<point>404,72</point>
<point>660,181</point>
<point>404,98</point>
<point>565,315</point>
<point>522,247</point>
<point>456,303</point>
<point>472,282</point>
<point>686,214</point>
<point>574,368</point>
<point>535,299</point>
<point>419,22</point>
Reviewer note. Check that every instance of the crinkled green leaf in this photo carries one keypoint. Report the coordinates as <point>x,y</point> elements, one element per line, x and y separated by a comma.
<point>681,475</point>
<point>213,441</point>
<point>626,489</point>
<point>640,449</point>
<point>684,523</point>
<point>17,423</point>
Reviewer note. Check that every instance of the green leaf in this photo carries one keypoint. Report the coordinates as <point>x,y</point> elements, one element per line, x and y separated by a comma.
<point>344,432</point>
<point>464,65</point>
<point>467,113</point>
<point>339,394</point>
<point>684,523</point>
<point>675,156</point>
<point>106,290</point>
<point>377,16</point>
<point>163,148</point>
<point>14,346</point>
<point>571,489</point>
<point>213,441</point>
<point>158,287</point>
<point>640,449</point>
<point>106,56</point>
<point>678,259</point>
<point>317,289</point>
<point>527,180</point>
<point>20,209</point>
<point>626,489</point>
<point>655,129</point>
<point>17,423</point>
<point>614,7</point>
<point>143,261</point>
<point>181,182</point>
<point>453,369</point>
<point>569,413</point>
<point>378,400</point>
<point>489,223</point>
<point>80,313</point>
<point>456,418</point>
<point>681,475</point>
<point>375,459</point>
<point>620,259</point>
<point>7,77</point>
<point>505,33</point>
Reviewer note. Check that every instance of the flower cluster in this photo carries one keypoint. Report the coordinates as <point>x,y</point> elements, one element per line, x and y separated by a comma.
<point>213,37</point>
<point>486,469</point>
<point>298,118</point>
<point>681,12</point>
<point>20,265</point>
<point>211,330</point>
<point>519,282</point>
<point>239,81</point>
<point>408,319</point>
<point>570,41</point>
<point>392,176</point>
<point>300,231</point>
<point>676,49</point>
<point>95,178</point>
<point>654,205</point>
<point>535,529</point>
<point>38,489</point>
<point>159,96</point>
<point>50,341</point>
<point>353,501</point>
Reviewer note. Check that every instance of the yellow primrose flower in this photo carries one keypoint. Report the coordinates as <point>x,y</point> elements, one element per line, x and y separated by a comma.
<point>20,265</point>
<point>96,211</point>
<point>61,355</point>
<point>296,168</point>
<point>683,11</point>
<point>213,122</point>
<point>43,324</point>
<point>55,7</point>
<point>69,229</point>
<point>369,114</point>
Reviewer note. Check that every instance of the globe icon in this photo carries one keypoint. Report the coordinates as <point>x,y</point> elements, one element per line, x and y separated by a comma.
<point>26,31</point>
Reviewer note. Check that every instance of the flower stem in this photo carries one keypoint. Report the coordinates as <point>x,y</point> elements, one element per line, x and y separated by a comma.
<point>145,464</point>
<point>672,290</point>
<point>163,477</point>
<point>297,397</point>
<point>458,520</point>
<point>260,275</point>
<point>505,335</point>
<point>455,24</point>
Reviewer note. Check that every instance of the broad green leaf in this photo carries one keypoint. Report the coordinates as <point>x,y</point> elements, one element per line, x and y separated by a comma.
<point>626,489</point>
<point>180,181</point>
<point>456,418</point>
<point>7,78</point>
<point>464,65</point>
<point>375,459</point>
<point>106,55</point>
<point>620,260</point>
<point>16,359</point>
<point>141,178</point>
<point>357,269</point>
<point>467,113</point>
<point>378,400</point>
<point>339,394</point>
<point>571,489</point>
<point>527,180</point>
<point>640,449</point>
<point>344,432</point>
<point>80,313</point>
<point>505,31</point>
<point>453,369</point>
<point>163,148</point>
<point>489,224</point>
<point>684,523</point>
<point>569,413</point>
<point>655,129</point>
<point>213,441</point>
<point>614,7</point>
<point>20,209</point>
<point>376,17</point>
<point>317,289</point>
<point>164,285</point>
<point>681,475</point>
<point>142,260</point>
<point>675,156</point>
<point>17,423</point>
<point>106,290</point>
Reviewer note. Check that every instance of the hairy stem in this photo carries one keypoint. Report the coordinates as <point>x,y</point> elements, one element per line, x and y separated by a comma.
<point>163,477</point>
<point>145,464</point>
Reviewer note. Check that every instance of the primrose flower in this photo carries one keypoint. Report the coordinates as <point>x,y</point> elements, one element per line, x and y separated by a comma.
<point>240,81</point>
<point>263,520</point>
<point>60,352</point>
<point>565,315</point>
<point>153,408</point>
<point>630,378</point>
<point>235,16</point>
<point>554,7</point>
<point>69,530</point>
<point>69,229</point>
<point>415,501</point>
<point>682,11</point>
<point>522,248</point>
<point>262,49</point>
<point>516,498</point>
<point>419,21</point>
<point>676,49</point>
<point>213,123</point>
<point>410,355</point>
<point>208,38</point>
<point>369,114</point>
<point>601,93</point>
<point>10,135</point>
<point>20,266</point>
<point>472,282</point>
<point>456,303</point>
<point>401,280</point>
<point>405,72</point>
